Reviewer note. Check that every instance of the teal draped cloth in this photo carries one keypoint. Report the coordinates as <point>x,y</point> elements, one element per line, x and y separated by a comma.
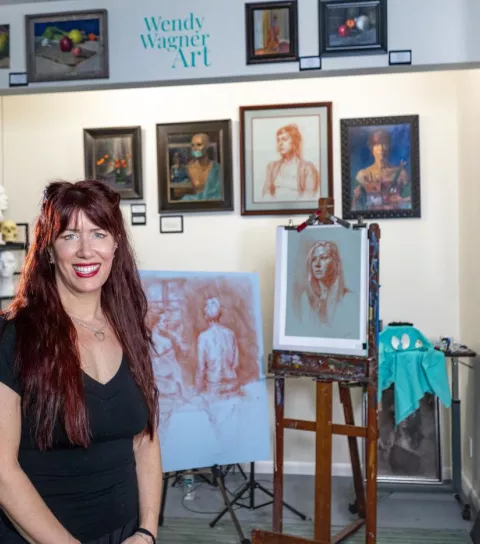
<point>407,359</point>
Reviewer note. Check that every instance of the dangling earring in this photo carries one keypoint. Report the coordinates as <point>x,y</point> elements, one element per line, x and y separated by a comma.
<point>50,260</point>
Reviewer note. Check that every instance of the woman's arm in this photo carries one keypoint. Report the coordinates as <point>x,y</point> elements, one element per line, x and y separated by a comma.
<point>149,474</point>
<point>18,497</point>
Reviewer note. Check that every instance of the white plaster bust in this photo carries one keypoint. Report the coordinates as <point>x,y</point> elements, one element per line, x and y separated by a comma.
<point>8,265</point>
<point>3,201</point>
<point>3,207</point>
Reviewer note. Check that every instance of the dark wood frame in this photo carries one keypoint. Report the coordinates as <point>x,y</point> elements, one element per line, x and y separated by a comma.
<point>89,136</point>
<point>292,56</point>
<point>347,371</point>
<point>224,128</point>
<point>382,44</point>
<point>30,20</point>
<point>345,125</point>
<point>243,170</point>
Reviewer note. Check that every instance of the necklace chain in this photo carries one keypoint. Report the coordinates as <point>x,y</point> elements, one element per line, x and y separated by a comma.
<point>98,333</point>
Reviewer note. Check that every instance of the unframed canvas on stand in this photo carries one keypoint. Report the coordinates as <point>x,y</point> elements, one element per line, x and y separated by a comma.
<point>208,368</point>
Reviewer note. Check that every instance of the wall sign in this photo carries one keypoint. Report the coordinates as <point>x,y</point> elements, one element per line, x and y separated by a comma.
<point>183,38</point>
<point>139,214</point>
<point>171,224</point>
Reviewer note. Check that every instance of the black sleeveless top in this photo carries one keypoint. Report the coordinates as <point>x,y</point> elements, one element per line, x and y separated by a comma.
<point>91,491</point>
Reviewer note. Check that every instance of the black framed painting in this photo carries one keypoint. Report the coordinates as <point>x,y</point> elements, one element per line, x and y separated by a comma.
<point>66,46</point>
<point>114,156</point>
<point>348,27</point>
<point>195,166</point>
<point>271,32</point>
<point>380,167</point>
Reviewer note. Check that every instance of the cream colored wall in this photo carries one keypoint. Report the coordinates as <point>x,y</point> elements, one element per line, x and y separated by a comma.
<point>469,265</point>
<point>419,264</point>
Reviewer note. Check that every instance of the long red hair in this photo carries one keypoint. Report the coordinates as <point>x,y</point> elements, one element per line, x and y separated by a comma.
<point>47,355</point>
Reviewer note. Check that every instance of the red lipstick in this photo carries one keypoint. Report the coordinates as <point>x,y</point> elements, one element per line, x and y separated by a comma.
<point>86,270</point>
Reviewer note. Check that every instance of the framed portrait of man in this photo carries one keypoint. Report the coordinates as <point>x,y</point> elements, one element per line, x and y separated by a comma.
<point>194,167</point>
<point>285,158</point>
<point>380,167</point>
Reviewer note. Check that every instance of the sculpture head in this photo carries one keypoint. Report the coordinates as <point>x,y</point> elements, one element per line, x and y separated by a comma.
<point>8,264</point>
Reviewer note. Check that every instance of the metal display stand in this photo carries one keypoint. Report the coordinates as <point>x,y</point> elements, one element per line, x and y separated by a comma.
<point>346,371</point>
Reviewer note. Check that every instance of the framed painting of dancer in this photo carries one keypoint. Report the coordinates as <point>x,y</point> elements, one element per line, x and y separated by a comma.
<point>286,158</point>
<point>380,167</point>
<point>321,290</point>
<point>271,32</point>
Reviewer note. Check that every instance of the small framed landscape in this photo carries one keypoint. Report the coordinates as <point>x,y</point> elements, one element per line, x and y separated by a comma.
<point>195,167</point>
<point>380,167</point>
<point>114,155</point>
<point>285,158</point>
<point>67,46</point>
<point>353,27</point>
<point>271,32</point>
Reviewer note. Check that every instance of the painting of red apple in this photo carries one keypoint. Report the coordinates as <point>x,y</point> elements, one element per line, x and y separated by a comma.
<point>67,46</point>
<point>353,27</point>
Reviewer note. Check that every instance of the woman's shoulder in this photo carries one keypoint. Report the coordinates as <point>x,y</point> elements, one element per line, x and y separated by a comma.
<point>7,336</point>
<point>8,372</point>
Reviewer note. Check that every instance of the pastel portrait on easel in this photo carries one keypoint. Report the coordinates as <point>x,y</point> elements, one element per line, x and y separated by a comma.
<point>321,289</point>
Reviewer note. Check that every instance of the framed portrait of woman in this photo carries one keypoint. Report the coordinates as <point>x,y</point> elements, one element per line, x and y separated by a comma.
<point>285,158</point>
<point>321,290</point>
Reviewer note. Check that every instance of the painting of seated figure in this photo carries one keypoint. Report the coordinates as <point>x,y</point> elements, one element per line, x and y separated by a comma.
<point>209,368</point>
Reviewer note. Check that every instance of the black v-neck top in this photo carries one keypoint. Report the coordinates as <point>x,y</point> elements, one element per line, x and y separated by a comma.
<point>91,491</point>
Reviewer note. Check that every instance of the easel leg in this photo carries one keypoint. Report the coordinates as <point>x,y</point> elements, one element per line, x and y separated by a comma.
<point>278,455</point>
<point>371,468</point>
<point>323,462</point>
<point>164,500</point>
<point>218,478</point>
<point>346,400</point>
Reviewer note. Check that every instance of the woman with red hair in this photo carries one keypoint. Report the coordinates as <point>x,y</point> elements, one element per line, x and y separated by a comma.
<point>79,453</point>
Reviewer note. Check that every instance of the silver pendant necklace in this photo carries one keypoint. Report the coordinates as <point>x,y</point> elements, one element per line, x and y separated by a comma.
<point>98,333</point>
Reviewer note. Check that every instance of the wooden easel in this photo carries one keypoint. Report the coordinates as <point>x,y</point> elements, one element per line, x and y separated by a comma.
<point>346,371</point>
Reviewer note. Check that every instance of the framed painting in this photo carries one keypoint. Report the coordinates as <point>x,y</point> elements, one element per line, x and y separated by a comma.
<point>67,46</point>
<point>321,290</point>
<point>195,167</point>
<point>114,155</point>
<point>4,46</point>
<point>286,158</point>
<point>271,32</point>
<point>411,451</point>
<point>380,167</point>
<point>353,27</point>
<point>209,367</point>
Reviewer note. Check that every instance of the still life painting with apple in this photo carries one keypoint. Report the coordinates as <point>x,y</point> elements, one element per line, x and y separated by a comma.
<point>67,46</point>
